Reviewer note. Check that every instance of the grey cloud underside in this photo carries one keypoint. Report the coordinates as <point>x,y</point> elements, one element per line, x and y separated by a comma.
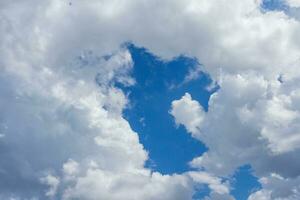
<point>63,134</point>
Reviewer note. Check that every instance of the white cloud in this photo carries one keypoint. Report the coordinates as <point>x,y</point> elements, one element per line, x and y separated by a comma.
<point>234,36</point>
<point>216,196</point>
<point>214,183</point>
<point>139,184</point>
<point>260,195</point>
<point>57,114</point>
<point>96,183</point>
<point>70,168</point>
<point>188,113</point>
<point>69,123</point>
<point>278,188</point>
<point>252,120</point>
<point>52,182</point>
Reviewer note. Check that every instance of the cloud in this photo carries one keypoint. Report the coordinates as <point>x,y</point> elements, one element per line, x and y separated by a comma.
<point>256,121</point>
<point>293,3</point>
<point>65,135</point>
<point>278,188</point>
<point>55,116</point>
<point>97,183</point>
<point>214,183</point>
<point>187,112</point>
<point>238,38</point>
<point>52,182</point>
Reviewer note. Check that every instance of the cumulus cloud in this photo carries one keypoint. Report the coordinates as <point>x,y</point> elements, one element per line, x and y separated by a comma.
<point>65,135</point>
<point>140,184</point>
<point>187,112</point>
<point>71,140</point>
<point>96,183</point>
<point>55,116</point>
<point>252,120</point>
<point>238,38</point>
<point>278,188</point>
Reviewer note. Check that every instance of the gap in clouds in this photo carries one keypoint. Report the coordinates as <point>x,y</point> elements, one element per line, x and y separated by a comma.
<point>274,5</point>
<point>280,5</point>
<point>158,83</point>
<point>170,148</point>
<point>244,183</point>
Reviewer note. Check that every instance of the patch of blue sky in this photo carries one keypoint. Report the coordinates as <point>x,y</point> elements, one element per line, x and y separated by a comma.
<point>244,183</point>
<point>171,148</point>
<point>158,83</point>
<point>270,5</point>
<point>280,5</point>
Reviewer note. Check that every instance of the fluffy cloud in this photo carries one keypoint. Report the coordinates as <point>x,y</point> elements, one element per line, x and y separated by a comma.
<point>187,112</point>
<point>65,137</point>
<point>252,120</point>
<point>53,116</point>
<point>235,36</point>
<point>278,188</point>
<point>96,183</point>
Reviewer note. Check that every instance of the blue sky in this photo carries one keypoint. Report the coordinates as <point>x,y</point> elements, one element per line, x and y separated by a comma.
<point>171,147</point>
<point>274,5</point>
<point>281,5</point>
<point>158,83</point>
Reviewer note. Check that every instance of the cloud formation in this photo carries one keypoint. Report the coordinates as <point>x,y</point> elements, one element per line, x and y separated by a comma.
<point>64,135</point>
<point>57,90</point>
<point>251,121</point>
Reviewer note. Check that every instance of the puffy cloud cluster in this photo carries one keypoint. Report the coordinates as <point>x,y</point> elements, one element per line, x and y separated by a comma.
<point>92,182</point>
<point>236,36</point>
<point>251,120</point>
<point>65,137</point>
<point>61,125</point>
<point>62,131</point>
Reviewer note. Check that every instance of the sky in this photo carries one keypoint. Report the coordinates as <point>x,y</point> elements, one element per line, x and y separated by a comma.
<point>150,100</point>
<point>170,147</point>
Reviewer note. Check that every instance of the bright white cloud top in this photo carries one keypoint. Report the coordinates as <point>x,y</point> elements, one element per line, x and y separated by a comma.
<point>51,106</point>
